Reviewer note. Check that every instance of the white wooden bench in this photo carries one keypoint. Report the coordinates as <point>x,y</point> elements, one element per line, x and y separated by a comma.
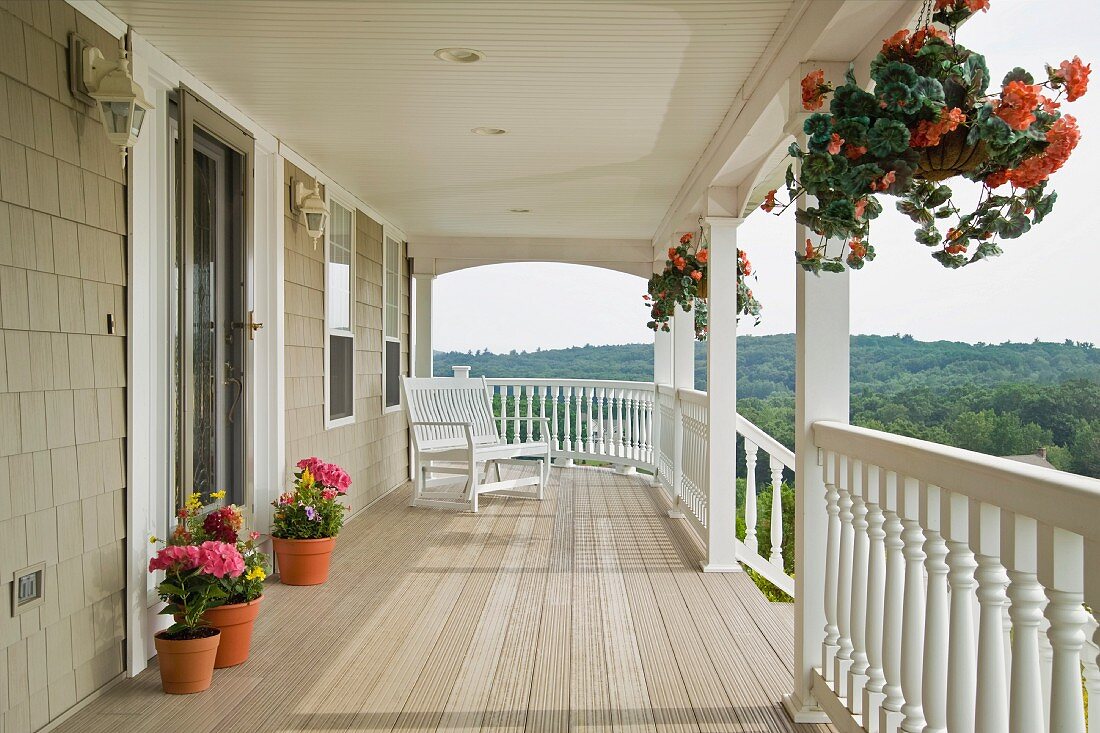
<point>455,435</point>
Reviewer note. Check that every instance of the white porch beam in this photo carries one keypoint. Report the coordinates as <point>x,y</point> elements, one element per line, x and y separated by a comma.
<point>822,392</point>
<point>722,389</point>
<point>634,256</point>
<point>422,324</point>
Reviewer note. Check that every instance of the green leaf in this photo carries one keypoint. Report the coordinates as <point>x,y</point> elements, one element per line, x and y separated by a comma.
<point>918,214</point>
<point>1044,206</point>
<point>939,196</point>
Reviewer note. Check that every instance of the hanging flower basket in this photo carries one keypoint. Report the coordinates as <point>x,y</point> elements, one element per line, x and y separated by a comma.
<point>930,119</point>
<point>684,283</point>
<point>954,156</point>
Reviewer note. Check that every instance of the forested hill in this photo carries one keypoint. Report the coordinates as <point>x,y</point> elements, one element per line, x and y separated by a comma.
<point>765,364</point>
<point>1004,399</point>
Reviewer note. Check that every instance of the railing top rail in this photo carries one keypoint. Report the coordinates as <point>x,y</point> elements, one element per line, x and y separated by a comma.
<point>666,389</point>
<point>1055,498</point>
<point>549,382</point>
<point>770,445</point>
<point>695,396</point>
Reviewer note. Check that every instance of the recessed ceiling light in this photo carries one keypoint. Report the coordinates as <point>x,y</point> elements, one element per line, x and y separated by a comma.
<point>520,211</point>
<point>488,131</point>
<point>459,55</point>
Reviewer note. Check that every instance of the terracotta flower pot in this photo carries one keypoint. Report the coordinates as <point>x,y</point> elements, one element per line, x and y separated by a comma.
<point>303,562</point>
<point>952,157</point>
<point>235,622</point>
<point>186,665</point>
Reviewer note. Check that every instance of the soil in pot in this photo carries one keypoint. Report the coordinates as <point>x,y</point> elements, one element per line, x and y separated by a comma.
<point>303,562</point>
<point>187,659</point>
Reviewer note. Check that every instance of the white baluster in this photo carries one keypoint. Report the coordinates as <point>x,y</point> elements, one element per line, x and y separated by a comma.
<point>776,555</point>
<point>961,659</point>
<point>1092,672</point>
<point>857,675</point>
<point>750,496</point>
<point>1062,572</point>
<point>1019,537</point>
<point>832,564</point>
<point>578,440</point>
<point>602,427</point>
<point>554,432</point>
<point>893,605</point>
<point>530,413</point>
<point>876,580</point>
<point>502,392</point>
<point>1046,661</point>
<point>843,660</point>
<point>912,638</point>
<point>937,615</point>
<point>991,709</point>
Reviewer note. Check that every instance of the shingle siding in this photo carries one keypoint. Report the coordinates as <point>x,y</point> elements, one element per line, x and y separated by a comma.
<point>62,377</point>
<point>374,449</point>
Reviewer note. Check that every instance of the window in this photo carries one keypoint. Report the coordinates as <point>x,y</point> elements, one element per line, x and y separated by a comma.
<point>392,318</point>
<point>339,307</point>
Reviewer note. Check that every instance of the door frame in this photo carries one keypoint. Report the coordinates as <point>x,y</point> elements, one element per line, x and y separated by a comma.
<point>195,112</point>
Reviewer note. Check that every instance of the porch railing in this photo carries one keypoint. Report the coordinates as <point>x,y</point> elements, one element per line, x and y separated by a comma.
<point>955,588</point>
<point>610,421</point>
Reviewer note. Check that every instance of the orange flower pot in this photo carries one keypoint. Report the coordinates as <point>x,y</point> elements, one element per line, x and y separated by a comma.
<point>186,665</point>
<point>235,622</point>
<point>303,562</point>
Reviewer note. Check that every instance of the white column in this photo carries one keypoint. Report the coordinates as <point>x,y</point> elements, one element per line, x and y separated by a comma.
<point>821,393</point>
<point>422,324</point>
<point>722,389</point>
<point>662,357</point>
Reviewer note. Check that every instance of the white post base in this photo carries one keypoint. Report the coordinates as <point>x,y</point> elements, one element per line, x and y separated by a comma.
<point>675,514</point>
<point>800,713</point>
<point>563,462</point>
<point>715,568</point>
<point>872,704</point>
<point>625,470</point>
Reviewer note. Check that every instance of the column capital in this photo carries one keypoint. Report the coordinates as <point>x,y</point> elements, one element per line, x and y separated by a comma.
<point>723,222</point>
<point>424,275</point>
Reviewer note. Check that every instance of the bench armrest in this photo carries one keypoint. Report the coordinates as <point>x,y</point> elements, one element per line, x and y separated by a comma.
<point>441,423</point>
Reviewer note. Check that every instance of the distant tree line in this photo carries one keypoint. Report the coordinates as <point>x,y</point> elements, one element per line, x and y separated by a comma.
<point>1003,399</point>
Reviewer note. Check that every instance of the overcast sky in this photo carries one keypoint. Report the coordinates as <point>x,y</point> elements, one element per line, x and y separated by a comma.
<point>1045,286</point>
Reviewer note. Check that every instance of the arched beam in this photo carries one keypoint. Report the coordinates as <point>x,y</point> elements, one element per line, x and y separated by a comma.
<point>440,255</point>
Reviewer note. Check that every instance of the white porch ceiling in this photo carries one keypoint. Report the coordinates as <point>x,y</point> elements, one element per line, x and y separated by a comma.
<point>609,104</point>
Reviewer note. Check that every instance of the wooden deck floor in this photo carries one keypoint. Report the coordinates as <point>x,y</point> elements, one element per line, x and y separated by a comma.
<point>581,612</point>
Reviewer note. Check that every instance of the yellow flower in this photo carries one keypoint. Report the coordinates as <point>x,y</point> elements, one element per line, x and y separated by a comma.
<point>256,573</point>
<point>153,539</point>
<point>194,502</point>
<point>307,478</point>
<point>217,494</point>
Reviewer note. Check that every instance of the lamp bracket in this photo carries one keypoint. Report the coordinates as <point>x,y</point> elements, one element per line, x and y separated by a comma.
<point>77,84</point>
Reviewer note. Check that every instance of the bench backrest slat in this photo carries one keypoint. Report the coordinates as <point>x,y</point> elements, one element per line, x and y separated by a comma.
<point>443,399</point>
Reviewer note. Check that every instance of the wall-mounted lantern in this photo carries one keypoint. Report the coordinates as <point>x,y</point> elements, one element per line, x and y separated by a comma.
<point>307,203</point>
<point>111,88</point>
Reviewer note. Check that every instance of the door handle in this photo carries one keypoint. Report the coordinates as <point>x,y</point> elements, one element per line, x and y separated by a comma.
<point>253,325</point>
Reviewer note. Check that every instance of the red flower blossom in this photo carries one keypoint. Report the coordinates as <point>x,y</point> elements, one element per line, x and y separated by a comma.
<point>834,144</point>
<point>1062,138</point>
<point>861,205</point>
<point>1017,105</point>
<point>769,201</point>
<point>885,182</point>
<point>810,251</point>
<point>671,252</point>
<point>1074,75</point>
<point>954,249</point>
<point>854,151</point>
<point>697,275</point>
<point>896,41</point>
<point>972,5</point>
<point>928,133</point>
<point>998,178</point>
<point>858,248</point>
<point>686,239</point>
<point>702,255</point>
<point>813,96</point>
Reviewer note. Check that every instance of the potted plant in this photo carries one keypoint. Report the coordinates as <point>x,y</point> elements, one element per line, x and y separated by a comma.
<point>930,118</point>
<point>234,612</point>
<point>192,583</point>
<point>684,283</point>
<point>307,520</point>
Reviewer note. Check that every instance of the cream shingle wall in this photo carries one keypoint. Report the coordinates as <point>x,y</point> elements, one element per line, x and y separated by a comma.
<point>62,377</point>
<point>374,450</point>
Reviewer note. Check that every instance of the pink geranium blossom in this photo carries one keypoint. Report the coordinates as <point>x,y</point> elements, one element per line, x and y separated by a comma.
<point>178,558</point>
<point>221,559</point>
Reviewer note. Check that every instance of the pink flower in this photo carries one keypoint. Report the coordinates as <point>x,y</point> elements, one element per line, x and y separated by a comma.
<point>835,142</point>
<point>221,559</point>
<point>178,558</point>
<point>253,535</point>
<point>328,494</point>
